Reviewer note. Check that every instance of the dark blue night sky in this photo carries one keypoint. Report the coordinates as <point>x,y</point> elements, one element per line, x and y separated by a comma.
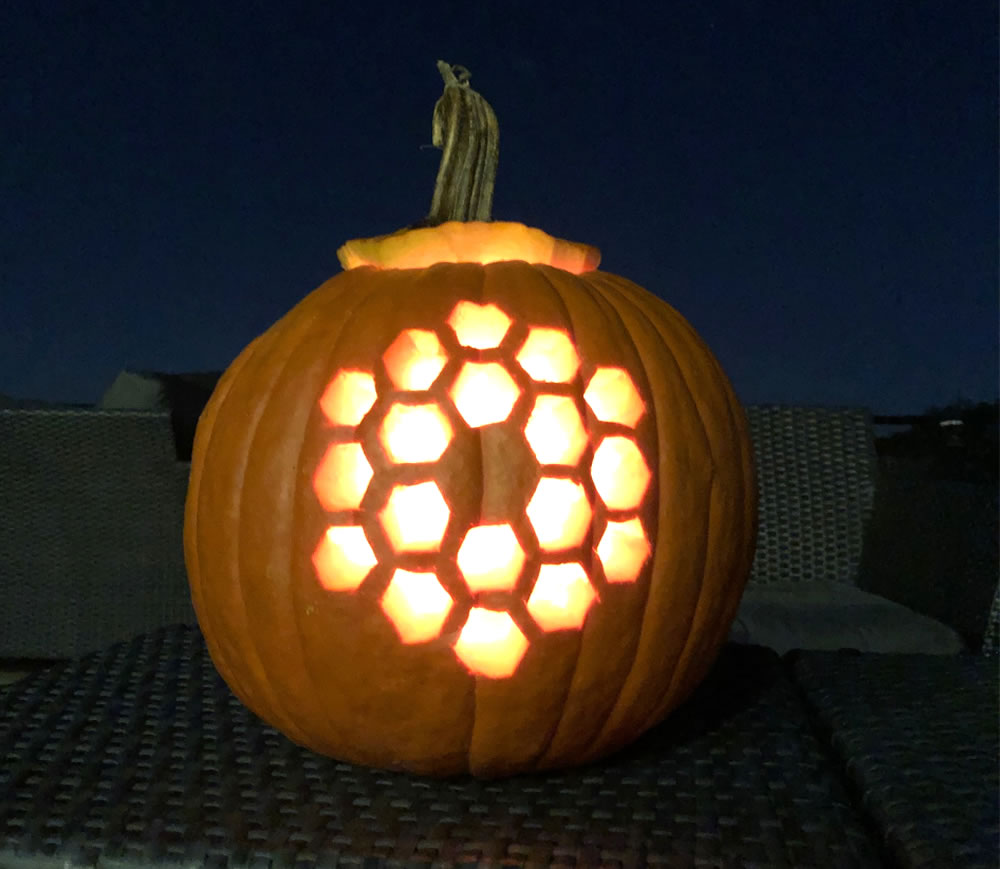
<point>814,185</point>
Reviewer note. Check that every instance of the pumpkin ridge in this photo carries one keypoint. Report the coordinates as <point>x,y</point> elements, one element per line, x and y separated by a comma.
<point>682,334</point>
<point>297,498</point>
<point>613,289</point>
<point>203,439</point>
<point>580,286</point>
<point>739,430</point>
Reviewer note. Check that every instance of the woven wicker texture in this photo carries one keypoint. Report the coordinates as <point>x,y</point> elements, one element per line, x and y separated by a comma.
<point>816,480</point>
<point>91,505</point>
<point>918,737</point>
<point>139,755</point>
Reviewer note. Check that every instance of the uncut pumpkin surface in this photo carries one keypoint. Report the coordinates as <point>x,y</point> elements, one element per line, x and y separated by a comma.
<point>328,667</point>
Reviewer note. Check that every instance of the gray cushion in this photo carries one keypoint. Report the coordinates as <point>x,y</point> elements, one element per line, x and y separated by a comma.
<point>833,615</point>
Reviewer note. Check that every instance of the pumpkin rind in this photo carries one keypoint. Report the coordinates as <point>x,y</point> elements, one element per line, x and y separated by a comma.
<point>328,668</point>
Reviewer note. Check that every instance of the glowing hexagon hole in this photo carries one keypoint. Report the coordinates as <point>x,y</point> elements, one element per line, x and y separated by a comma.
<point>417,605</point>
<point>620,473</point>
<point>613,397</point>
<point>415,433</point>
<point>561,597</point>
<point>623,550</point>
<point>343,558</point>
<point>549,356</point>
<point>560,513</point>
<point>414,359</point>
<point>490,558</point>
<point>490,644</point>
<point>484,393</point>
<point>479,326</point>
<point>555,430</point>
<point>415,517</point>
<point>348,397</point>
<point>342,477</point>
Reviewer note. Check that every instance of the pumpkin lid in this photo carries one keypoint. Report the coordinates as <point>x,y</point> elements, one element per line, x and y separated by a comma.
<point>473,241</point>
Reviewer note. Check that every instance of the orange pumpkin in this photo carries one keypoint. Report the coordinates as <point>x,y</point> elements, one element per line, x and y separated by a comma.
<point>472,506</point>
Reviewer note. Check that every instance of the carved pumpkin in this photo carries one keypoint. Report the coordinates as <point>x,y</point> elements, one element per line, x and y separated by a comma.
<point>471,506</point>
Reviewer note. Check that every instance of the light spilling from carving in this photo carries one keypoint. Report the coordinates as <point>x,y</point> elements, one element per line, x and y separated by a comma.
<point>613,397</point>
<point>479,326</point>
<point>415,518</point>
<point>490,644</point>
<point>417,605</point>
<point>555,430</point>
<point>342,477</point>
<point>484,393</point>
<point>560,513</point>
<point>348,397</point>
<point>561,597</point>
<point>623,550</point>
<point>415,433</point>
<point>343,558</point>
<point>490,558</point>
<point>620,473</point>
<point>549,356</point>
<point>410,411</point>
<point>415,359</point>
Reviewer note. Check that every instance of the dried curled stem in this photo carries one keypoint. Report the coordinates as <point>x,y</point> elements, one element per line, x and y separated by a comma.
<point>466,130</point>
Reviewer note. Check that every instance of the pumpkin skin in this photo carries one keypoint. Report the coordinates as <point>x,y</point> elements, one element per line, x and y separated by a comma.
<point>327,667</point>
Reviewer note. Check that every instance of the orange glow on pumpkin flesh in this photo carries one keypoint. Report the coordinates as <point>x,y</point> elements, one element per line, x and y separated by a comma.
<point>474,460</point>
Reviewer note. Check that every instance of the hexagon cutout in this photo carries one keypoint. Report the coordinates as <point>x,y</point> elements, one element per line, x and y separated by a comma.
<point>348,397</point>
<point>415,359</point>
<point>490,558</point>
<point>549,356</point>
<point>613,397</point>
<point>620,473</point>
<point>560,513</point>
<point>555,431</point>
<point>623,550</point>
<point>415,518</point>
<point>490,644</point>
<point>561,597</point>
<point>415,433</point>
<point>342,477</point>
<point>479,326</point>
<point>484,393</point>
<point>343,558</point>
<point>417,605</point>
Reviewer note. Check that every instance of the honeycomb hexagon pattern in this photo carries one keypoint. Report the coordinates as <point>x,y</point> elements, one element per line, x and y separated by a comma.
<point>535,368</point>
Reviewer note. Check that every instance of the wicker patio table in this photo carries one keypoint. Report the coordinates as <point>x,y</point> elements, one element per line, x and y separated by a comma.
<point>139,755</point>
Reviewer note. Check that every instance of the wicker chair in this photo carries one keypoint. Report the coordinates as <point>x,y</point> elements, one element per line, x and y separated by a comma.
<point>90,537</point>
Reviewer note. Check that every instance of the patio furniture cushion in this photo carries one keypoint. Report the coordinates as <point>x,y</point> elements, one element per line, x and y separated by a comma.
<point>918,737</point>
<point>833,615</point>
<point>139,755</point>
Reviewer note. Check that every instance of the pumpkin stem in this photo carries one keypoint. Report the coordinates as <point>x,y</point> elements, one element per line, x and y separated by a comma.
<point>466,130</point>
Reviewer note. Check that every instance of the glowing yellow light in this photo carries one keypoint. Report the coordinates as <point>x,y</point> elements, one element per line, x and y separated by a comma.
<point>414,359</point>
<point>490,558</point>
<point>479,326</point>
<point>415,433</point>
<point>348,397</point>
<point>620,473</point>
<point>623,550</point>
<point>343,558</point>
<point>342,477</point>
<point>415,518</point>
<point>613,397</point>
<point>417,605</point>
<point>555,430</point>
<point>560,513</point>
<point>561,597</point>
<point>490,644</point>
<point>549,356</point>
<point>484,393</point>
